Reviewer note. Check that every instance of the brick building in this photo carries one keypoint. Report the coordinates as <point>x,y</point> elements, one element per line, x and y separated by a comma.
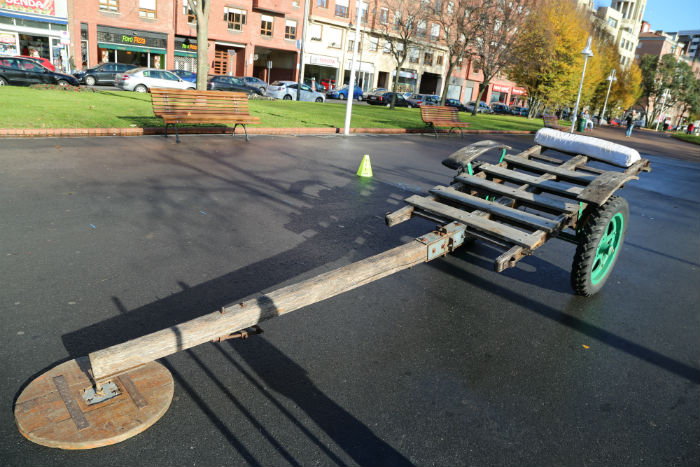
<point>245,38</point>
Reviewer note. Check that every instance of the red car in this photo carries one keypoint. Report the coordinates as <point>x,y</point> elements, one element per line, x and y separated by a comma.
<point>328,84</point>
<point>41,61</point>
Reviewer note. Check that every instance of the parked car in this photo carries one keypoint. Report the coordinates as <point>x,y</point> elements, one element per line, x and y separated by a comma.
<point>287,90</point>
<point>406,94</point>
<point>45,62</point>
<point>342,93</point>
<point>186,75</point>
<point>104,73</point>
<point>455,103</point>
<point>500,108</point>
<point>25,72</point>
<point>416,100</point>
<point>256,83</point>
<point>143,79</point>
<point>483,107</point>
<point>230,83</point>
<point>385,99</point>
<point>376,92</point>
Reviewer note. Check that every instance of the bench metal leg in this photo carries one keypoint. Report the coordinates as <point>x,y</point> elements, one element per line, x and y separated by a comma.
<point>434,130</point>
<point>244,129</point>
<point>166,130</point>
<point>177,136</point>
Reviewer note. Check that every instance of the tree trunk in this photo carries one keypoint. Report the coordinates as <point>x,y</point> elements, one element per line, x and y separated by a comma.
<point>447,82</point>
<point>482,87</point>
<point>202,50</point>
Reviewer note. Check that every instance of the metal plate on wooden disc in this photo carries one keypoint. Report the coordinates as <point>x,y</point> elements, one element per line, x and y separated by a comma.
<point>52,411</point>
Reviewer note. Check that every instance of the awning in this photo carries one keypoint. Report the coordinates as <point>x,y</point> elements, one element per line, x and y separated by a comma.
<point>184,53</point>
<point>131,48</point>
<point>43,19</point>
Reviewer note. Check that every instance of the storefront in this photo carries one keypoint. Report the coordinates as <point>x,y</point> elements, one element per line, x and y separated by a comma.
<point>469,87</point>
<point>407,80</point>
<point>31,27</point>
<point>499,93</point>
<point>518,96</point>
<point>454,88</point>
<point>186,54</point>
<point>364,74</point>
<point>321,68</point>
<point>142,48</point>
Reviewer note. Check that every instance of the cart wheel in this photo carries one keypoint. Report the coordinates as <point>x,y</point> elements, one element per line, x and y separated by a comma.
<point>601,239</point>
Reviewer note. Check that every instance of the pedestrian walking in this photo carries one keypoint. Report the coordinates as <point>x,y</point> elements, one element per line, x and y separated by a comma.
<point>630,125</point>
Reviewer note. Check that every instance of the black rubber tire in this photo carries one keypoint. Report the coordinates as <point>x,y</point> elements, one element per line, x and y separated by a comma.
<point>359,98</point>
<point>3,81</point>
<point>63,83</point>
<point>596,221</point>
<point>90,80</point>
<point>141,88</point>
<point>319,99</point>
<point>287,98</point>
<point>341,97</point>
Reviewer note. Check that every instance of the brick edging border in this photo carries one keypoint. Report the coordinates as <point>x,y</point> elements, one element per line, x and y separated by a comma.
<point>82,132</point>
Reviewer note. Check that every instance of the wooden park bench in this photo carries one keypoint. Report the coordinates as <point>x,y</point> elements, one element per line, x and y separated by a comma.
<point>186,106</point>
<point>551,121</point>
<point>436,116</point>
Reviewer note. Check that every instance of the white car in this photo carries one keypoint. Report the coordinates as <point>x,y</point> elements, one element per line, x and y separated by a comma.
<point>287,90</point>
<point>143,79</point>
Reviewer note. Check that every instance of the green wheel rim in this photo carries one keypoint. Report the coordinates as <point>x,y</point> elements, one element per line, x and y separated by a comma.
<point>607,249</point>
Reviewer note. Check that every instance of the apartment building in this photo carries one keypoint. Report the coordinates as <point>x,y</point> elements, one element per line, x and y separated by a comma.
<point>622,21</point>
<point>246,38</point>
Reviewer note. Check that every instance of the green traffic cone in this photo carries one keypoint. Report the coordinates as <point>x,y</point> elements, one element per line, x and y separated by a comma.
<point>365,169</point>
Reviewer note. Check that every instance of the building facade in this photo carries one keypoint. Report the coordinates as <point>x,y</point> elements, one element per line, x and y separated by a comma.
<point>40,28</point>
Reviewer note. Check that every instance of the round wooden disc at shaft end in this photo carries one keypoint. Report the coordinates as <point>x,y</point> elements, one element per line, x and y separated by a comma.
<point>53,410</point>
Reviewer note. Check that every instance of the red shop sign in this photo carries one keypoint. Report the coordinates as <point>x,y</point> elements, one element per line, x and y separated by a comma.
<point>519,91</point>
<point>499,88</point>
<point>44,7</point>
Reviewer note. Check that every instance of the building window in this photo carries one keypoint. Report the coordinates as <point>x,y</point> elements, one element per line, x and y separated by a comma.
<point>421,28</point>
<point>341,8</point>
<point>109,5</point>
<point>434,32</point>
<point>235,18</point>
<point>265,25</point>
<point>428,58</point>
<point>191,17</point>
<point>438,60</point>
<point>612,22</point>
<point>397,20</point>
<point>373,44</point>
<point>413,55</point>
<point>290,29</point>
<point>322,3</point>
<point>363,12</point>
<point>147,9</point>
<point>387,47</point>
<point>384,15</point>
<point>351,43</point>
<point>315,31</point>
<point>335,38</point>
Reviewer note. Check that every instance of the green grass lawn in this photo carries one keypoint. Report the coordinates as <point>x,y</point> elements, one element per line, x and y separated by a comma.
<point>38,108</point>
<point>689,138</point>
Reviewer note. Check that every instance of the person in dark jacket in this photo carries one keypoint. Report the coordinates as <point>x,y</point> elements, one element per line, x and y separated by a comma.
<point>630,125</point>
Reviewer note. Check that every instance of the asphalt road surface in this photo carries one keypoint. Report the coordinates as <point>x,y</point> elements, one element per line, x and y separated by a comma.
<point>448,363</point>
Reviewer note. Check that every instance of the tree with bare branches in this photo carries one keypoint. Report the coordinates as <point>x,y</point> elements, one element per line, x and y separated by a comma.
<point>499,24</point>
<point>401,32</point>
<point>458,30</point>
<point>201,8</point>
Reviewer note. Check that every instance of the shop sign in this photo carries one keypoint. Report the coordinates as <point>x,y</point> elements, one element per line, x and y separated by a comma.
<point>499,88</point>
<point>323,60</point>
<point>131,38</point>
<point>8,38</point>
<point>519,91</point>
<point>185,44</point>
<point>365,67</point>
<point>42,7</point>
<point>405,74</point>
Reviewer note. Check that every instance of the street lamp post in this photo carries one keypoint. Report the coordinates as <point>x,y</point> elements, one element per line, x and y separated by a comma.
<point>610,78</point>
<point>353,64</point>
<point>587,52</point>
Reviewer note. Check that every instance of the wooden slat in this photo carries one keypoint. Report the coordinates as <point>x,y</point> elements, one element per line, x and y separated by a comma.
<point>497,229</point>
<point>561,188</point>
<point>553,204</point>
<point>184,106</point>
<point>496,209</point>
<point>598,191</point>
<point>552,169</point>
<point>441,116</point>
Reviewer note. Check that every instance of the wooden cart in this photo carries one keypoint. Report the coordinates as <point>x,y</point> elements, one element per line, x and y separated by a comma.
<point>525,199</point>
<point>517,204</point>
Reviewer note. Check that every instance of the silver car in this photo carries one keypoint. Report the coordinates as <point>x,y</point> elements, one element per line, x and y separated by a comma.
<point>143,79</point>
<point>287,90</point>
